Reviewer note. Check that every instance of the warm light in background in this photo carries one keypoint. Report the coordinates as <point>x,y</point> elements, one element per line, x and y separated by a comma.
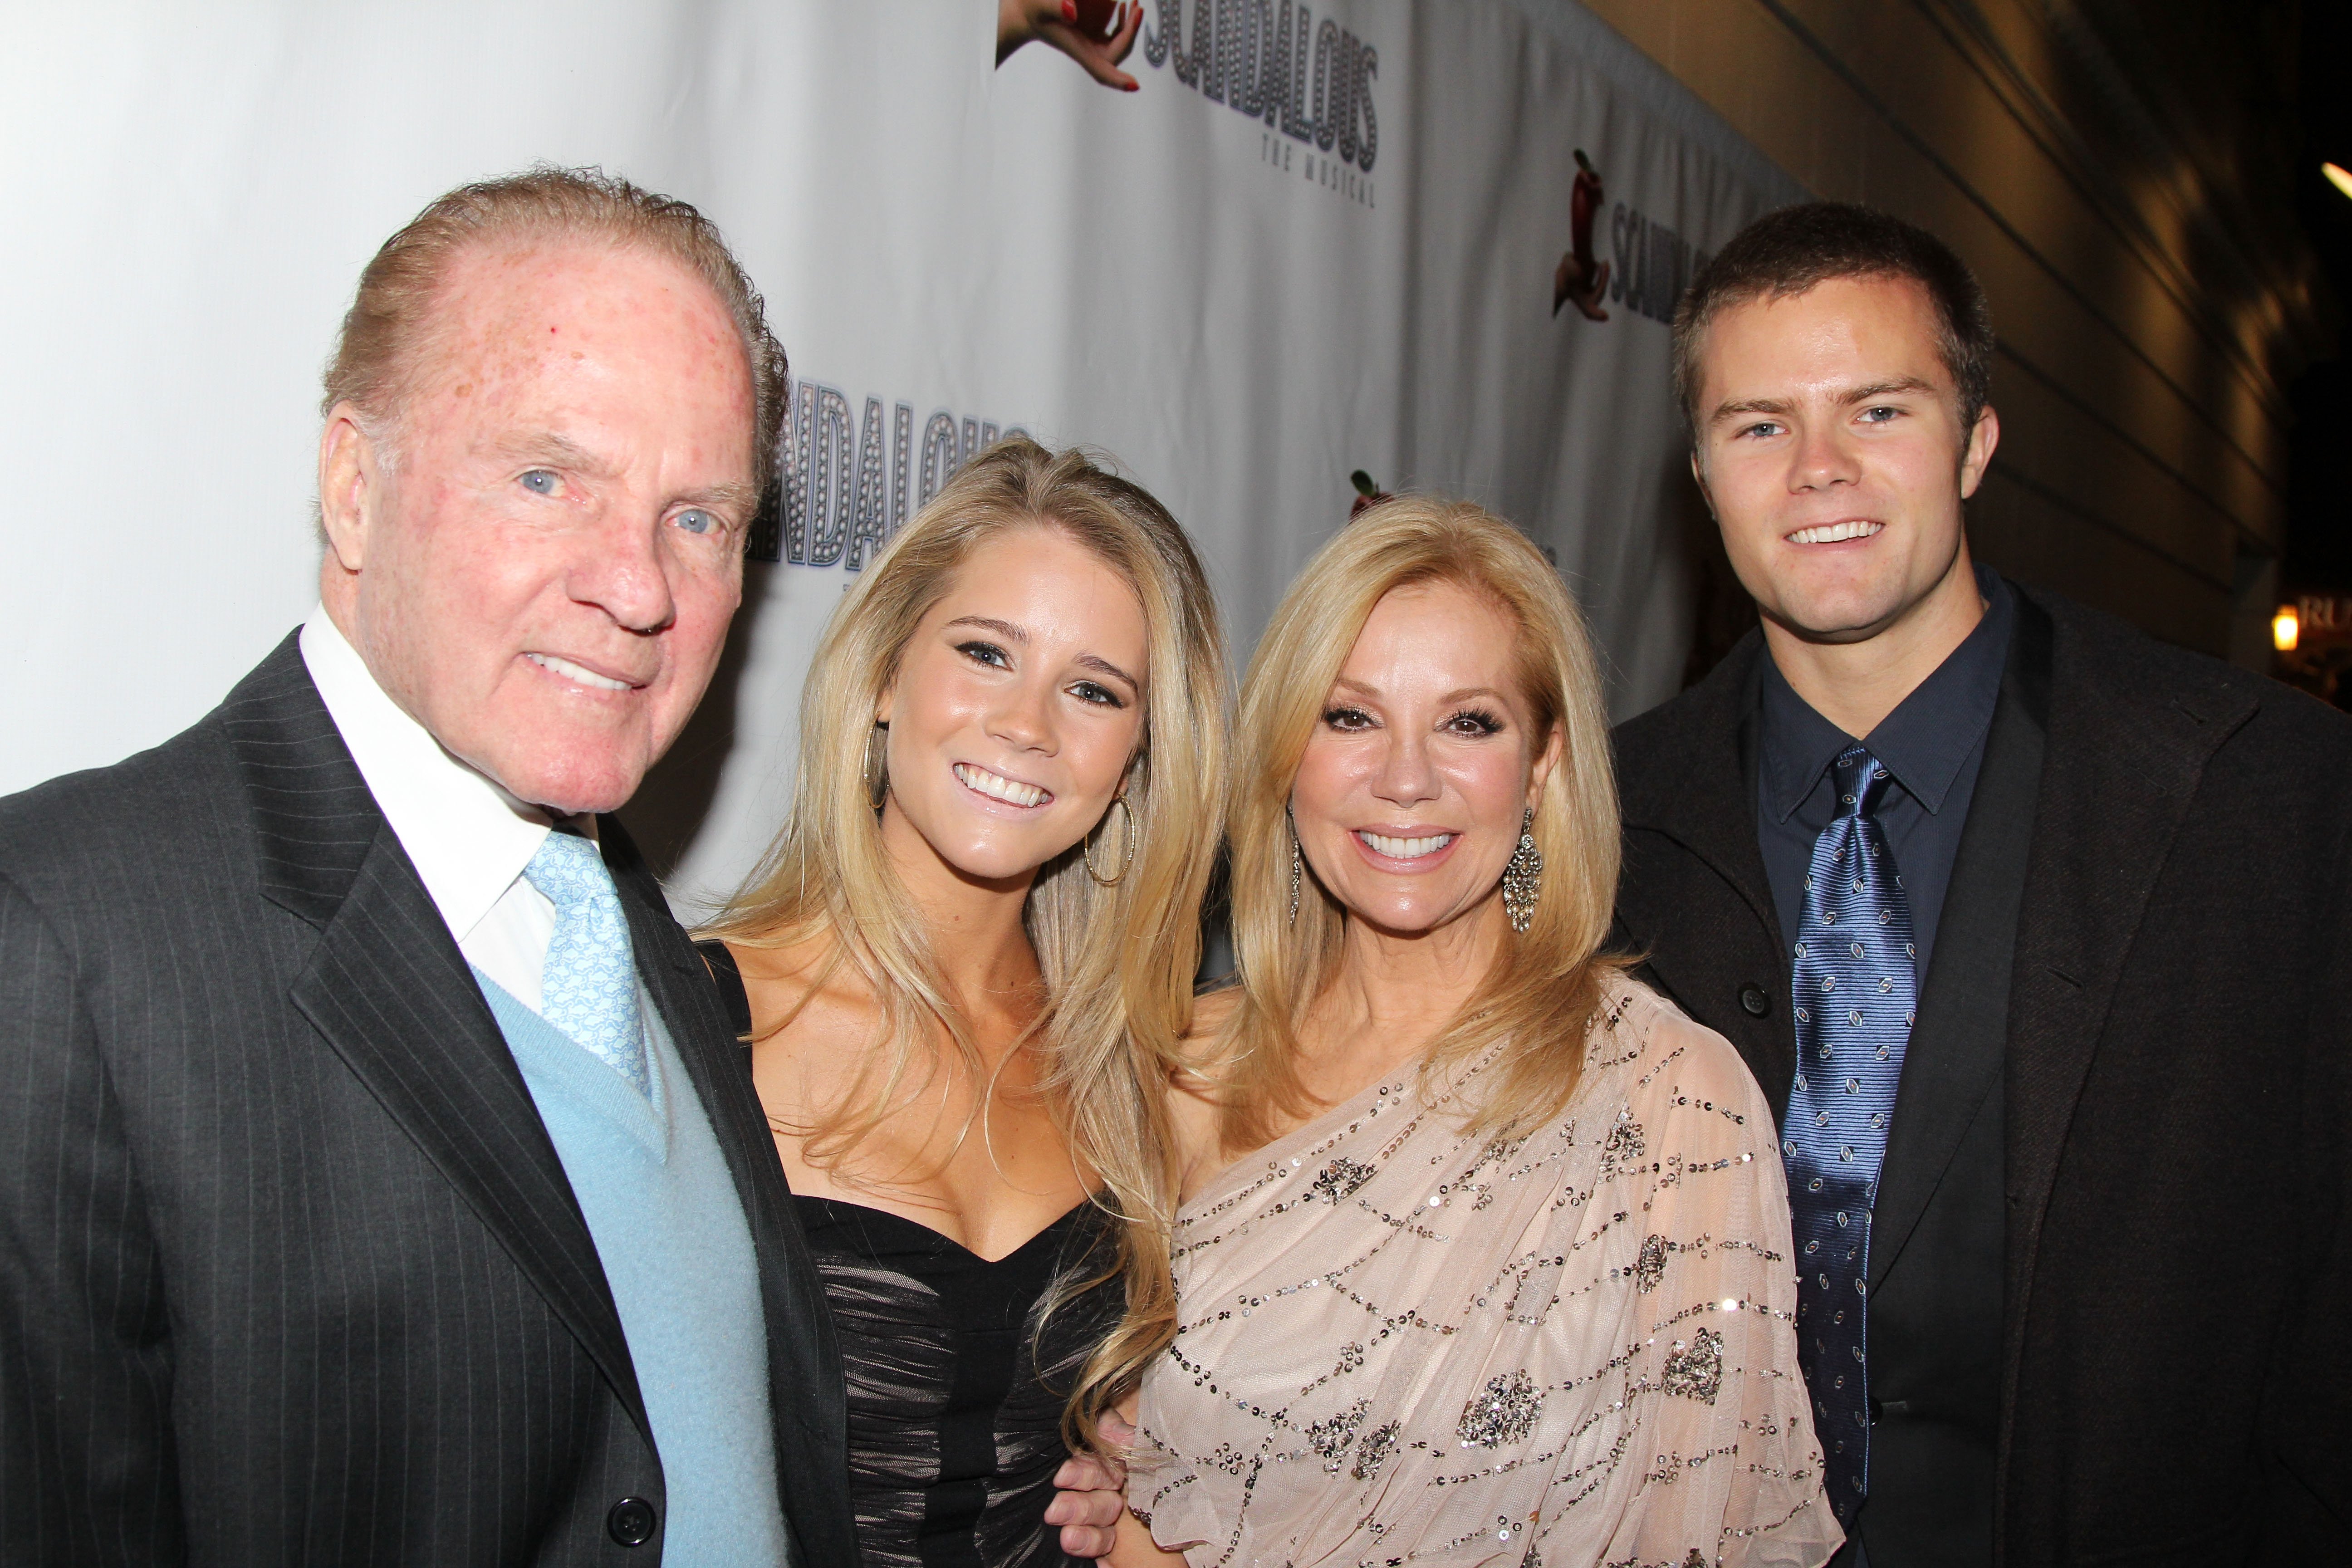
<point>2285,628</point>
<point>2338,177</point>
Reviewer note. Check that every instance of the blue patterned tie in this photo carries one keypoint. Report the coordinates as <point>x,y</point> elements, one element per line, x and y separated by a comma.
<point>1856,994</point>
<point>590,978</point>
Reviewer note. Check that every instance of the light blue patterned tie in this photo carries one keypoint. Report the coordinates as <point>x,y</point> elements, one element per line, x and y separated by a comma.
<point>1857,984</point>
<point>589,979</point>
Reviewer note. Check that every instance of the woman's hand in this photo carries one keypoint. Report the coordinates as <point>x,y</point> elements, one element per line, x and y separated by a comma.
<point>1090,1495</point>
<point>1055,22</point>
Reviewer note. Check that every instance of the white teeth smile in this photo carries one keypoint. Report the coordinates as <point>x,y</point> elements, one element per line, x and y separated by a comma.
<point>1405,848</point>
<point>1830,533</point>
<point>995,788</point>
<point>570,671</point>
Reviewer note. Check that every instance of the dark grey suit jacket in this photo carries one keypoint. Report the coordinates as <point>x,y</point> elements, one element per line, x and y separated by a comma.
<point>2136,1033</point>
<point>289,1271</point>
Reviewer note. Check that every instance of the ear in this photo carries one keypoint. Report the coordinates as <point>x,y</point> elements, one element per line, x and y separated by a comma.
<point>1982,440</point>
<point>1698,477</point>
<point>1540,771</point>
<point>350,486</point>
<point>882,704</point>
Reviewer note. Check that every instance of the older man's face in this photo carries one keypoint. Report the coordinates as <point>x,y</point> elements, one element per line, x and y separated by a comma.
<point>539,564</point>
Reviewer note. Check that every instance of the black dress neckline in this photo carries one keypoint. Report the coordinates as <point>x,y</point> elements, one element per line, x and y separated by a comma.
<point>857,1212</point>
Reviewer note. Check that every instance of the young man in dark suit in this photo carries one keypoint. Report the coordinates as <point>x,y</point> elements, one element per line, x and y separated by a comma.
<point>380,1181</point>
<point>2036,929</point>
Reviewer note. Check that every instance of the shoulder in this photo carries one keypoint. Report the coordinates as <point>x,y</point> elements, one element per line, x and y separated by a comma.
<point>1657,1055</point>
<point>1211,1010</point>
<point>1194,1113</point>
<point>2124,672</point>
<point>796,993</point>
<point>170,807</point>
<point>1655,751</point>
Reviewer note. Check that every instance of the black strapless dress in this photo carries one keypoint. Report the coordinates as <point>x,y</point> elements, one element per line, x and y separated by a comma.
<point>955,1396</point>
<point>956,1392</point>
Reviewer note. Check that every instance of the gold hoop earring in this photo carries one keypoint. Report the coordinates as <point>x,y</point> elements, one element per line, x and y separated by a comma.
<point>876,768</point>
<point>1126,815</point>
<point>1523,876</point>
<point>1294,867</point>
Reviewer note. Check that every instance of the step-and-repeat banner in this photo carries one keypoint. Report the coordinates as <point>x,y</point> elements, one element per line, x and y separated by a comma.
<point>1434,243</point>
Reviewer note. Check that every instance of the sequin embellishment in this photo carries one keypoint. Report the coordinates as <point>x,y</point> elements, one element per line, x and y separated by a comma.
<point>1331,1438</point>
<point>1374,1451</point>
<point>1340,1179</point>
<point>1696,1369</point>
<point>1504,1411</point>
<point>1651,1266</point>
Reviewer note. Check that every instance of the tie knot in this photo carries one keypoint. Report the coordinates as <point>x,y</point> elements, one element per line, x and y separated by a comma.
<point>1861,782</point>
<point>569,870</point>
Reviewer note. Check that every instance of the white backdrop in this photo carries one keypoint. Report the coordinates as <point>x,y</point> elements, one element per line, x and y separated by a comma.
<point>1237,314</point>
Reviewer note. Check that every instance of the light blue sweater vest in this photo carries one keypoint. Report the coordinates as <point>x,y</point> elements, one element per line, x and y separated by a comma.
<point>669,1227</point>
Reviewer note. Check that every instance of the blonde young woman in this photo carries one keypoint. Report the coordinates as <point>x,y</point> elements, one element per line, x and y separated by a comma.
<point>1483,1254</point>
<point>964,967</point>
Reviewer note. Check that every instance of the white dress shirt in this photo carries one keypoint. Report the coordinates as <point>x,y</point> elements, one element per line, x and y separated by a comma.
<point>468,839</point>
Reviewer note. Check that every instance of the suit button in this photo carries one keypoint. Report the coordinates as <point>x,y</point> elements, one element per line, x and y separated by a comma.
<point>1756,999</point>
<point>631,1523</point>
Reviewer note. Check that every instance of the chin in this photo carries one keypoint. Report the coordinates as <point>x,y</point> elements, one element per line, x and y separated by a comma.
<point>1840,618</point>
<point>995,864</point>
<point>576,780</point>
<point>1409,920</point>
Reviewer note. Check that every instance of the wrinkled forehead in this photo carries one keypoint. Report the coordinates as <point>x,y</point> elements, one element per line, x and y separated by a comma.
<point>519,306</point>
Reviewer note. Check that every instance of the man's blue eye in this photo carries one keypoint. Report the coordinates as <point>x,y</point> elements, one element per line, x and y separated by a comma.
<point>696,520</point>
<point>539,482</point>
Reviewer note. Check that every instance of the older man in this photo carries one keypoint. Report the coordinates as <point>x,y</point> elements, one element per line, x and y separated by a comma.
<point>377,1182</point>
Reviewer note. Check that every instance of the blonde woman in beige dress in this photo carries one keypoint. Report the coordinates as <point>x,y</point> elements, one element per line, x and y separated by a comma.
<point>1483,1254</point>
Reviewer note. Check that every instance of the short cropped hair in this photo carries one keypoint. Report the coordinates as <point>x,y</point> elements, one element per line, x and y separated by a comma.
<point>387,336</point>
<point>1788,251</point>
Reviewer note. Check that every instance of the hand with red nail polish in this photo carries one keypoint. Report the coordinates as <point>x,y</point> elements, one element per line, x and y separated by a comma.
<point>1097,33</point>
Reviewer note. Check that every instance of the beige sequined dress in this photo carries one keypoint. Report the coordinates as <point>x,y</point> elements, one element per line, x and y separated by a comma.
<point>1398,1344</point>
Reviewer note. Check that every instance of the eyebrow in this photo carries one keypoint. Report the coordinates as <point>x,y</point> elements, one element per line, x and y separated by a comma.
<point>1887,389</point>
<point>1459,694</point>
<point>1012,633</point>
<point>548,445</point>
<point>1781,406</point>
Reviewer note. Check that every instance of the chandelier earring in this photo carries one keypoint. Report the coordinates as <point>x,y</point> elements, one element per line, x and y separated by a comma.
<point>876,769</point>
<point>1295,868</point>
<point>1127,815</point>
<point>1523,877</point>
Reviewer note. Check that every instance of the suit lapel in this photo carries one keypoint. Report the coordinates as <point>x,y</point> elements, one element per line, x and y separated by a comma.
<point>2118,777</point>
<point>1699,797</point>
<point>1953,1065</point>
<point>1686,781</point>
<point>389,991</point>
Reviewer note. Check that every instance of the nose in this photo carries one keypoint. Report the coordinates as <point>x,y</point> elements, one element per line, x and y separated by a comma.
<point>1406,776</point>
<point>622,571</point>
<point>1023,717</point>
<point>1822,459</point>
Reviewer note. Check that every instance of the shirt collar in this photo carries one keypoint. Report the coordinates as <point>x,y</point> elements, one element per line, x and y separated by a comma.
<point>1924,743</point>
<point>467,838</point>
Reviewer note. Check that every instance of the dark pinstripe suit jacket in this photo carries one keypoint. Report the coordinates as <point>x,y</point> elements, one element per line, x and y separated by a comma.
<point>290,1272</point>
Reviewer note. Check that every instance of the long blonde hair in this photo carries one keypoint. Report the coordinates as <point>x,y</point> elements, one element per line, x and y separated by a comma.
<point>1547,982</point>
<point>1117,962</point>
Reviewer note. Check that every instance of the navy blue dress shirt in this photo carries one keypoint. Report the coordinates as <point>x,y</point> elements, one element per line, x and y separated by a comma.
<point>1933,744</point>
